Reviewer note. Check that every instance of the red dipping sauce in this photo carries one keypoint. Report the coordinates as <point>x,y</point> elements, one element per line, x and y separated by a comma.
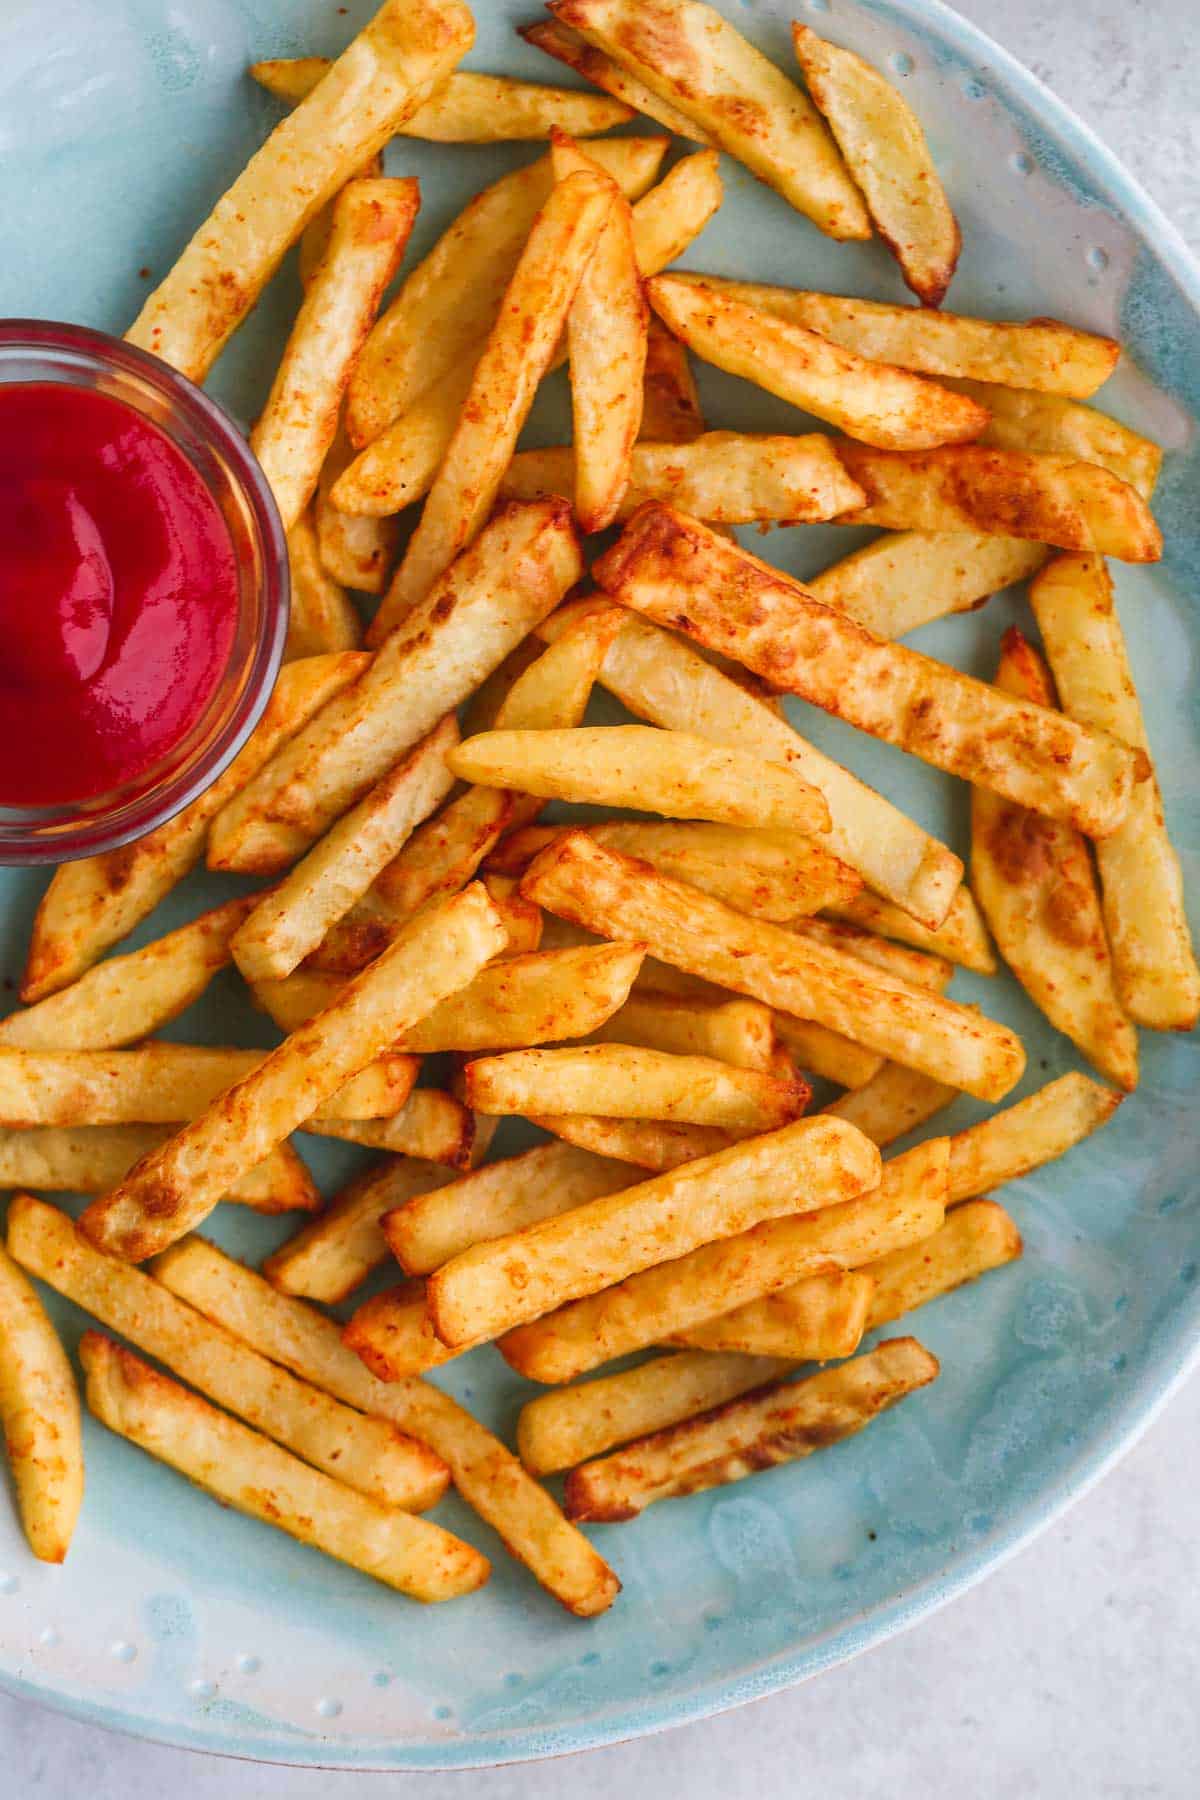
<point>118,595</point>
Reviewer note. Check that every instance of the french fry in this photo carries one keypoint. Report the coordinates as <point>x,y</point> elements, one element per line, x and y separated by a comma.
<point>494,1286</point>
<point>693,59</point>
<point>673,213</point>
<point>482,709</point>
<point>535,999</point>
<point>553,692</point>
<point>718,1277</point>
<point>960,938</point>
<point>1050,424</point>
<point>90,1159</point>
<point>39,1412</point>
<point>892,1103</point>
<point>816,1320</point>
<point>428,1229</point>
<point>885,150</point>
<point>176,1186</point>
<point>449,302</point>
<point>739,1032</point>
<point>915,966</point>
<point>661,678</point>
<point>95,902</point>
<point>1038,890</point>
<point>735,603</point>
<point>789,1420</point>
<point>517,353</point>
<point>724,477</point>
<point>1034,1131</point>
<point>388,71</point>
<point>328,1258</point>
<point>511,577</point>
<point>670,401</point>
<point>294,918</point>
<point>623,1081</point>
<point>364,1453</point>
<point>323,618</point>
<point>393,1335</point>
<point>1054,500</point>
<point>567,45</point>
<point>1041,353</point>
<point>876,403</point>
<point>442,856</point>
<point>431,1125</point>
<point>369,927</point>
<point>559,1429</point>
<point>315,238</point>
<point>609,893</point>
<point>828,1054</point>
<point>467,108</point>
<point>371,223</point>
<point>358,552</point>
<point>1140,878</point>
<point>656,1145</point>
<point>245,1470</point>
<point>975,1238</point>
<point>906,578</point>
<point>280,1183</point>
<point>487,1475</point>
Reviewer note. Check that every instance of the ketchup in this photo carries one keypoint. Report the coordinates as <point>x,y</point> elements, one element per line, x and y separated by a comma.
<point>118,595</point>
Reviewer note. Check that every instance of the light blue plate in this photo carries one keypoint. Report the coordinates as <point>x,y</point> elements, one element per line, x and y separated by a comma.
<point>120,122</point>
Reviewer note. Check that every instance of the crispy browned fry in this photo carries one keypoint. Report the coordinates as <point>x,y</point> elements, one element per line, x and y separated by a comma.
<point>39,1413</point>
<point>714,1279</point>
<point>441,857</point>
<point>175,1187</point>
<point>486,1474</point>
<point>1040,353</point>
<point>494,1286</point>
<point>672,569</point>
<point>1140,878</point>
<point>371,222</point>
<point>975,1238</point>
<point>243,1469</point>
<point>670,401</point>
<point>1034,1131</point>
<point>358,552</point>
<point>906,578</point>
<point>95,902</point>
<point>661,678</point>
<point>876,403</point>
<point>720,476</point>
<point>378,82</point>
<point>885,150</point>
<point>696,61</point>
<point>1038,890</point>
<point>323,617</point>
<point>815,1320</point>
<point>777,1425</point>
<point>624,1081</point>
<point>294,918</point>
<point>609,893</point>
<point>960,938</point>
<point>328,1258</point>
<point>90,1159</point>
<point>829,1054</point>
<point>892,1103</point>
<point>533,999</point>
<point>432,1125</point>
<point>567,45</point>
<point>365,1453</point>
<point>1051,425</point>
<point>915,966</point>
<point>393,1334</point>
<point>654,1144</point>
<point>740,1032</point>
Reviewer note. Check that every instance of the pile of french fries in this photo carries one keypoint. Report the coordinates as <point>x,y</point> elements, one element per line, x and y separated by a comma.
<point>655,994</point>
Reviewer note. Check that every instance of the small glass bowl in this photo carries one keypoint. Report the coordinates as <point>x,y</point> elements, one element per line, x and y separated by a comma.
<point>42,350</point>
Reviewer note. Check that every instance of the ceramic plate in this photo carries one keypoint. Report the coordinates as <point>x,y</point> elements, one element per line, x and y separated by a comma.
<point>120,122</point>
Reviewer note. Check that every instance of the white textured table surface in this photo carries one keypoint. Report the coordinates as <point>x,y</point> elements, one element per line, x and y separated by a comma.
<point>1074,1669</point>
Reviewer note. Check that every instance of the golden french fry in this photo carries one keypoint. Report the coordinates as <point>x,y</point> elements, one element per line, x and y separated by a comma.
<point>975,1238</point>
<point>885,150</point>
<point>323,618</point>
<point>606,892</point>
<point>1034,1131</point>
<point>906,578</point>
<point>712,1280</point>
<point>369,927</point>
<point>364,1453</point>
<point>739,1032</point>
<point>1051,425</point>
<point>533,999</point>
<point>294,918</point>
<point>1042,353</point>
<point>960,938</point>
<point>90,1159</point>
<point>95,902</point>
<point>39,1412</point>
<point>915,966</point>
<point>892,1103</point>
<point>829,1054</point>
<point>559,1429</point>
<point>444,854</point>
<point>176,1186</point>
<point>1140,878</point>
<point>358,552</point>
<point>1014,493</point>
<point>673,213</point>
<point>328,1258</point>
<point>245,1470</point>
<point>388,71</point>
<point>661,678</point>
<point>670,401</point>
<point>487,1475</point>
<point>789,1420</point>
<point>697,62</point>
<point>815,1320</point>
<point>1037,887</point>
<point>393,1335</point>
<point>567,45</point>
<point>738,604</point>
<point>431,1125</point>
<point>371,222</point>
<point>428,1229</point>
<point>493,1286</point>
<point>876,403</point>
<point>623,1081</point>
<point>653,1144</point>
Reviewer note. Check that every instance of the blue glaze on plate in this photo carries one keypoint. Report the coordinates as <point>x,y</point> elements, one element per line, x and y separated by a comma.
<point>181,1622</point>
